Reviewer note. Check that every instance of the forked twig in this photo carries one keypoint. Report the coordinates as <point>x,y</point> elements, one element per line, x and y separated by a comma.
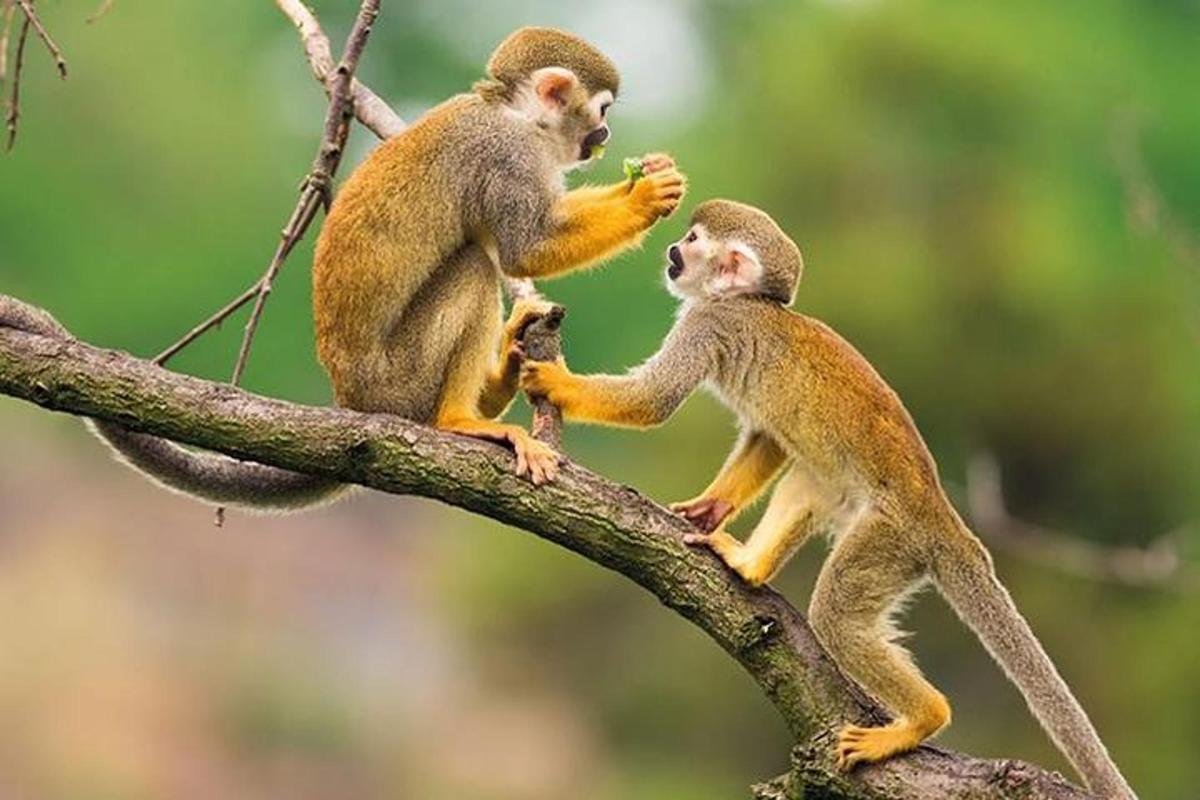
<point>44,35</point>
<point>316,189</point>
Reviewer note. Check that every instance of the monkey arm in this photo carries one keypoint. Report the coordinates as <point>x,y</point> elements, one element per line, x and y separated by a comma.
<point>645,397</point>
<point>592,224</point>
<point>751,465</point>
<point>586,195</point>
<point>632,401</point>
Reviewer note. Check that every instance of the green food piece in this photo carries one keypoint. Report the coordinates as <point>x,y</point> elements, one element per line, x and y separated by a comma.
<point>597,151</point>
<point>634,169</point>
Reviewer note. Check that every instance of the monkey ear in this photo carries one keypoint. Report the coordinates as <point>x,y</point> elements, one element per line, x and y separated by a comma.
<point>739,269</point>
<point>553,85</point>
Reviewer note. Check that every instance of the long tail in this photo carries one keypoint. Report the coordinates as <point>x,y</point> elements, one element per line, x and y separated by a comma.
<point>216,478</point>
<point>205,476</point>
<point>967,580</point>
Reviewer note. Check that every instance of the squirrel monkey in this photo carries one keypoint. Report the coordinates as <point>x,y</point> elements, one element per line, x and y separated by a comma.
<point>407,269</point>
<point>852,466</point>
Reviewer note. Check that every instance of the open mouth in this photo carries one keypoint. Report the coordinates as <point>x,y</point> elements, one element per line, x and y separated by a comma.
<point>675,269</point>
<point>593,144</point>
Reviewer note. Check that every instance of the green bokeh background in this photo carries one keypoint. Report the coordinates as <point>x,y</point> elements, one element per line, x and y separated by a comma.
<point>999,204</point>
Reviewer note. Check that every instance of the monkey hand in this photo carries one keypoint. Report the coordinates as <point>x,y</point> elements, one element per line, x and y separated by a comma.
<point>549,379</point>
<point>706,513</point>
<point>657,162</point>
<point>525,313</point>
<point>658,194</point>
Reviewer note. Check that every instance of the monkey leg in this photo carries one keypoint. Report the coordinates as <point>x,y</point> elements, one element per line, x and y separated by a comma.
<point>866,579</point>
<point>786,524</point>
<point>459,409</point>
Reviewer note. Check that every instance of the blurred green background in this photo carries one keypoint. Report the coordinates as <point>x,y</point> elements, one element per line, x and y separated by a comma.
<point>999,204</point>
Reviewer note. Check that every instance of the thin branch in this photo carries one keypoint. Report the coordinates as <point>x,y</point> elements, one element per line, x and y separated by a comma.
<point>44,35</point>
<point>8,10</point>
<point>369,108</point>
<point>610,524</point>
<point>13,117</point>
<point>1158,565</point>
<point>212,322</point>
<point>104,8</point>
<point>316,189</point>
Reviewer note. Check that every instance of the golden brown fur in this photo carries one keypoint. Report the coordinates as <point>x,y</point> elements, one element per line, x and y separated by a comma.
<point>852,465</point>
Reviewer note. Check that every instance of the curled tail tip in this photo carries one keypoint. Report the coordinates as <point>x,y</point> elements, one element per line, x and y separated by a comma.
<point>215,478</point>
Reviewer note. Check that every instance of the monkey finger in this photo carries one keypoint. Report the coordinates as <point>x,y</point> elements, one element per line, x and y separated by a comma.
<point>697,539</point>
<point>657,162</point>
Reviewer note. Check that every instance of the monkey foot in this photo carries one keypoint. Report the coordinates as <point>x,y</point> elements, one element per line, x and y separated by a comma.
<point>706,513</point>
<point>538,461</point>
<point>865,745</point>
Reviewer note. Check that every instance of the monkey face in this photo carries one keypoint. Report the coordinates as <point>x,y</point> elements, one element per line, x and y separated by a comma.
<point>575,120</point>
<point>701,265</point>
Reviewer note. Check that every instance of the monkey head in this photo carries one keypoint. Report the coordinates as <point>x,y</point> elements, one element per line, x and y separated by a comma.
<point>560,82</point>
<point>734,249</point>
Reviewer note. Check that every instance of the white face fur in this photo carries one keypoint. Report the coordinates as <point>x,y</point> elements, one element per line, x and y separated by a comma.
<point>701,266</point>
<point>553,100</point>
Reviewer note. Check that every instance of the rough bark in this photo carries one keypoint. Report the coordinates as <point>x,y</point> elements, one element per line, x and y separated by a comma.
<point>610,524</point>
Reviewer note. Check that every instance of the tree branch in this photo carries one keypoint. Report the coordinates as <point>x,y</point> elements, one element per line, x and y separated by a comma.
<point>1158,566</point>
<point>370,109</point>
<point>610,524</point>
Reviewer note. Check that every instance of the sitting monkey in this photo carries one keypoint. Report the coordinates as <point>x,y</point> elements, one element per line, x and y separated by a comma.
<point>407,270</point>
<point>853,467</point>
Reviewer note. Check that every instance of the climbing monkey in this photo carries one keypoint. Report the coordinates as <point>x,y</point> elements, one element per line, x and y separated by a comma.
<point>408,266</point>
<point>852,466</point>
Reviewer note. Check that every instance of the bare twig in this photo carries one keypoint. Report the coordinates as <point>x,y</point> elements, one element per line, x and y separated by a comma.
<point>609,524</point>
<point>1158,565</point>
<point>44,35</point>
<point>13,117</point>
<point>369,108</point>
<point>8,10</point>
<point>104,8</point>
<point>212,322</point>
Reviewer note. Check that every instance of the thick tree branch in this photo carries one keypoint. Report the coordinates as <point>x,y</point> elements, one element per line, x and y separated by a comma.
<point>607,523</point>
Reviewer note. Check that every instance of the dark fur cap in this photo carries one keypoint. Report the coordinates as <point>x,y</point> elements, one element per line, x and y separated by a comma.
<point>527,50</point>
<point>780,257</point>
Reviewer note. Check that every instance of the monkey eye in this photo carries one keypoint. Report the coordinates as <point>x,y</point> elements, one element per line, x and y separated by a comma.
<point>604,108</point>
<point>691,237</point>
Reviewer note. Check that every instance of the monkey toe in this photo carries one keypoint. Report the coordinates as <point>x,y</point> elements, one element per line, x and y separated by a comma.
<point>537,461</point>
<point>859,745</point>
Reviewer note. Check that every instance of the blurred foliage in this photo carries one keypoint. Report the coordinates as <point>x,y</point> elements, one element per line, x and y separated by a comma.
<point>999,204</point>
